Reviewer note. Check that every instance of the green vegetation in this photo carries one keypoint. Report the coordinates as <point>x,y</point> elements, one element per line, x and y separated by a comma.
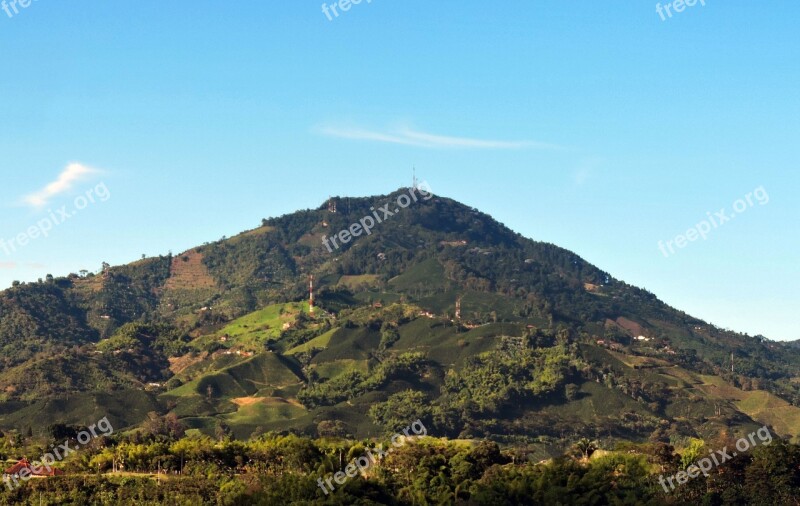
<point>162,463</point>
<point>442,315</point>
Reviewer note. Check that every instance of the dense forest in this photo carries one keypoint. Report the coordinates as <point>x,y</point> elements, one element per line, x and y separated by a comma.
<point>158,464</point>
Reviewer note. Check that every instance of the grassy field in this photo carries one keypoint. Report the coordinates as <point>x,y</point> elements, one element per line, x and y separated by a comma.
<point>339,367</point>
<point>760,405</point>
<point>355,344</point>
<point>243,379</point>
<point>474,305</point>
<point>238,395</point>
<point>695,394</point>
<point>595,400</point>
<point>427,274</point>
<point>252,331</point>
<point>123,409</point>
<point>443,342</point>
<point>320,342</point>
<point>265,410</point>
<point>354,282</point>
<point>263,325</point>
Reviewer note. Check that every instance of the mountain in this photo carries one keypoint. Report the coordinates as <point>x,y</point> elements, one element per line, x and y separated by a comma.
<point>438,313</point>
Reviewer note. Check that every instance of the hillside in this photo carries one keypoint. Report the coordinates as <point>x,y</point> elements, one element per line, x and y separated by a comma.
<point>441,313</point>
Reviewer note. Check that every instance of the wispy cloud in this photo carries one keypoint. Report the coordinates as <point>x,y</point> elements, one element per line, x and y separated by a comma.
<point>410,137</point>
<point>582,176</point>
<point>72,173</point>
<point>586,170</point>
<point>8,265</point>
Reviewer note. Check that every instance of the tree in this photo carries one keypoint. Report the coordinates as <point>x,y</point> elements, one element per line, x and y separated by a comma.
<point>331,428</point>
<point>61,431</point>
<point>692,452</point>
<point>571,391</point>
<point>167,426</point>
<point>585,448</point>
<point>221,430</point>
<point>400,410</point>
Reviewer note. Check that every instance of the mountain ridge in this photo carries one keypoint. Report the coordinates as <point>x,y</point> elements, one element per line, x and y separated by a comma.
<point>436,281</point>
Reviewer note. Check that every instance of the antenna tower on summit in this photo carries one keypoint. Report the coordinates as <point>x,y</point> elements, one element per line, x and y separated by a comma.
<point>414,184</point>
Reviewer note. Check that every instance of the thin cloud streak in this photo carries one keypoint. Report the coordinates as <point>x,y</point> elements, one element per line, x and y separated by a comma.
<point>409,137</point>
<point>72,173</point>
<point>586,170</point>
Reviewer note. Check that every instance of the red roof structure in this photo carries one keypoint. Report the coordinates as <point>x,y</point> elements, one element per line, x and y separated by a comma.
<point>40,471</point>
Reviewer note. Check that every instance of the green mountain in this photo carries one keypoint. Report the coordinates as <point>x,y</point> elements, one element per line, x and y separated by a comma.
<point>439,313</point>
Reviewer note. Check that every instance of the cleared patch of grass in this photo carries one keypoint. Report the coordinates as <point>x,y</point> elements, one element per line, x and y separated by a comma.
<point>339,367</point>
<point>354,282</point>
<point>123,408</point>
<point>355,344</point>
<point>252,331</point>
<point>639,361</point>
<point>266,411</point>
<point>761,406</point>
<point>428,274</point>
<point>240,380</point>
<point>319,342</point>
<point>263,325</point>
<point>595,400</point>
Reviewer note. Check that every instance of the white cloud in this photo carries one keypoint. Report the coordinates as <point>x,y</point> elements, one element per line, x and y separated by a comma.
<point>71,173</point>
<point>410,137</point>
<point>8,265</point>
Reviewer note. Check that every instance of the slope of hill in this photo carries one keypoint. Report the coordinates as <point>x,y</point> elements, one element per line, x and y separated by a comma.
<point>440,313</point>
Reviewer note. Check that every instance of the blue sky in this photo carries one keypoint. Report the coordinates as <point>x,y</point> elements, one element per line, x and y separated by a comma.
<point>595,126</point>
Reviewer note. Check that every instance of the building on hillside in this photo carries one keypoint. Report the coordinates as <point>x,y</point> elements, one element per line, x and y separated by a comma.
<point>18,471</point>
